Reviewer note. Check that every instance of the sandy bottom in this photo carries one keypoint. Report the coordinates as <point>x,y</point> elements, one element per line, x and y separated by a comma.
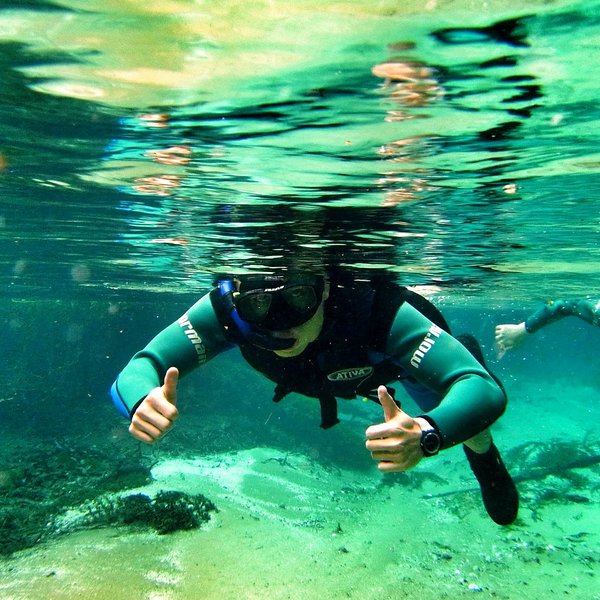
<point>291,528</point>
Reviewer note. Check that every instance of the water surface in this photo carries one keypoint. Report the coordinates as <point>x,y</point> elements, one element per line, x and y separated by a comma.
<point>149,145</point>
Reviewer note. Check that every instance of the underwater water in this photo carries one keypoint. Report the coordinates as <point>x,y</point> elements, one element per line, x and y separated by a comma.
<point>147,146</point>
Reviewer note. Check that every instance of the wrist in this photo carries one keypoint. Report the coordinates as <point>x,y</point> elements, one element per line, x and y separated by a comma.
<point>431,440</point>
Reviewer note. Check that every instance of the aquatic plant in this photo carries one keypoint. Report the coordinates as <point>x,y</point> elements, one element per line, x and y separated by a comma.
<point>168,511</point>
<point>536,460</point>
<point>557,471</point>
<point>50,489</point>
<point>173,511</point>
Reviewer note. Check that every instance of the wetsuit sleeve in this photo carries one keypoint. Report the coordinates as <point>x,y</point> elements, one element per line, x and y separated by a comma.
<point>187,343</point>
<point>587,310</point>
<point>470,399</point>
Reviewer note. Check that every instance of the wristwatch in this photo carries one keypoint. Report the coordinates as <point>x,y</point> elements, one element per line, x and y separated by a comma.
<point>431,441</point>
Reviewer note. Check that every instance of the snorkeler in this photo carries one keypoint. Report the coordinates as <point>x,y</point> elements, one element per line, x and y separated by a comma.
<point>331,337</point>
<point>511,336</point>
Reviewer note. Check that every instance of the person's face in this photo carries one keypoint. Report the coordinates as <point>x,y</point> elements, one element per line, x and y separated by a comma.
<point>304,334</point>
<point>286,308</point>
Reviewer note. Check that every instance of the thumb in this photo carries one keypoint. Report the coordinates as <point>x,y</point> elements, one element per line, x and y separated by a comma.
<point>170,385</point>
<point>390,408</point>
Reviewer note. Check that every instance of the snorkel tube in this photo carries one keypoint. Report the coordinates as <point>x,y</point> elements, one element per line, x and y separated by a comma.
<point>262,339</point>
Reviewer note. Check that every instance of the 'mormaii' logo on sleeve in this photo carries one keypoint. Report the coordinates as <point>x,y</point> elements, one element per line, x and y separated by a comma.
<point>425,346</point>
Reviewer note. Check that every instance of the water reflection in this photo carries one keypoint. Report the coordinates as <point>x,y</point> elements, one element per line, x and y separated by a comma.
<point>409,84</point>
<point>399,144</point>
<point>237,174</point>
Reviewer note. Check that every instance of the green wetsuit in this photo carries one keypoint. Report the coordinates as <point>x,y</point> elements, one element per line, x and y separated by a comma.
<point>587,309</point>
<point>467,399</point>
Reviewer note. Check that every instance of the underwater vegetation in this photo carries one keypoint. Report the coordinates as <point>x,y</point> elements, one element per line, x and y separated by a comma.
<point>41,484</point>
<point>556,472</point>
<point>166,512</point>
<point>552,472</point>
<point>54,488</point>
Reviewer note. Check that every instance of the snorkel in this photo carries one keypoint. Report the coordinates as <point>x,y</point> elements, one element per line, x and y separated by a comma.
<point>262,339</point>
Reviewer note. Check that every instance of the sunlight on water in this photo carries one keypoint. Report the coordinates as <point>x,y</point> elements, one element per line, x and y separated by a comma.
<point>155,53</point>
<point>450,144</point>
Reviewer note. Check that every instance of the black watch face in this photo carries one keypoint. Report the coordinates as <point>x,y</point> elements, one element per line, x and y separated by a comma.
<point>431,443</point>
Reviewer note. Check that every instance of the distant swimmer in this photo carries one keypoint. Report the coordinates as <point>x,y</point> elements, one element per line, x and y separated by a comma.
<point>511,336</point>
<point>330,336</point>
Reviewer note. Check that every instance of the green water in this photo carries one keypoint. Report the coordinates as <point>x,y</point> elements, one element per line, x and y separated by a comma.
<point>146,146</point>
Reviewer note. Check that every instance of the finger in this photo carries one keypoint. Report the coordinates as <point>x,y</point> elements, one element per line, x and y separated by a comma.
<point>395,461</point>
<point>154,427</point>
<point>170,385</point>
<point>392,467</point>
<point>388,457</point>
<point>141,436</point>
<point>157,406</point>
<point>383,444</point>
<point>381,430</point>
<point>390,408</point>
<point>387,430</point>
<point>154,421</point>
